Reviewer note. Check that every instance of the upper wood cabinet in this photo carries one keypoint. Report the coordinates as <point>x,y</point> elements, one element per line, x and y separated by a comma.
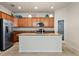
<point>2,15</point>
<point>15,21</point>
<point>34,21</point>
<point>6,16</point>
<point>20,22</point>
<point>23,22</point>
<point>45,21</point>
<point>51,22</point>
<point>30,22</point>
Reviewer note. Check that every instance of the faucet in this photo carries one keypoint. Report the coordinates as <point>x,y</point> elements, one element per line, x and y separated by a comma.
<point>42,30</point>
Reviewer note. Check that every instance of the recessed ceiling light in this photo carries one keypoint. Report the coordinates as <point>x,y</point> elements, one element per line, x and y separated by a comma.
<point>35,7</point>
<point>50,15</point>
<point>30,16</point>
<point>19,7</point>
<point>51,7</point>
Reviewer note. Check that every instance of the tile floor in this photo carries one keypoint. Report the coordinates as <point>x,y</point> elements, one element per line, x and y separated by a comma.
<point>14,51</point>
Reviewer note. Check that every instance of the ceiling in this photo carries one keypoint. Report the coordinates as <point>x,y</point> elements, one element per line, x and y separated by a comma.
<point>29,6</point>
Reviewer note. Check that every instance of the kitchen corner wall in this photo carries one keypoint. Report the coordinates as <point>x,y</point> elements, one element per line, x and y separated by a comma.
<point>61,14</point>
<point>5,10</point>
<point>70,15</point>
<point>73,26</point>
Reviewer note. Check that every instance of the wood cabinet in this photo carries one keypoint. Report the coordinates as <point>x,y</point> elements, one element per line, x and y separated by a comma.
<point>3,15</point>
<point>34,20</point>
<point>15,21</point>
<point>45,21</point>
<point>23,22</point>
<point>15,37</point>
<point>30,22</point>
<point>51,22</point>
<point>20,22</point>
<point>6,16</point>
<point>0,14</point>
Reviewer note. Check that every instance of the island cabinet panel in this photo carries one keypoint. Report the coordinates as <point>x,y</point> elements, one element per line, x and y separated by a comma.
<point>40,43</point>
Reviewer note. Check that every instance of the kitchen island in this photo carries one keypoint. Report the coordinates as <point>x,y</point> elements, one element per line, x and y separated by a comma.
<point>40,42</point>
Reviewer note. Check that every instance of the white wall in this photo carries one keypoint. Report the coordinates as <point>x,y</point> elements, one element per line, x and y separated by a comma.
<point>70,15</point>
<point>3,9</point>
<point>73,26</point>
<point>61,14</point>
<point>34,14</point>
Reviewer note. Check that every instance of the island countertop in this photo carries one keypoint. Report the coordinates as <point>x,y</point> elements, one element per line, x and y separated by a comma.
<point>39,34</point>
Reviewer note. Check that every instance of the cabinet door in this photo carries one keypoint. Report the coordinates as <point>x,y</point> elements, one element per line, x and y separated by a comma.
<point>8,17</point>
<point>51,22</point>
<point>34,21</point>
<point>23,22</point>
<point>15,21</point>
<point>29,22</point>
<point>45,21</point>
<point>11,19</point>
<point>0,15</point>
<point>4,15</point>
<point>20,22</point>
<point>15,37</point>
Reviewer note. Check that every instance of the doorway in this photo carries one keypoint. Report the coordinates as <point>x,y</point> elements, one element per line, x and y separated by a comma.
<point>61,28</point>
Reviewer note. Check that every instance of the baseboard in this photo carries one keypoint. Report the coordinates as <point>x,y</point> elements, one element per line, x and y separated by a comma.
<point>74,50</point>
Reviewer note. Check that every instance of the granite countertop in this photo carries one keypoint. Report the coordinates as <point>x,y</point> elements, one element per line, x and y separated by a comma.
<point>39,34</point>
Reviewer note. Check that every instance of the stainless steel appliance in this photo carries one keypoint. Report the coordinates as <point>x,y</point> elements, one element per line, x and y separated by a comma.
<point>5,34</point>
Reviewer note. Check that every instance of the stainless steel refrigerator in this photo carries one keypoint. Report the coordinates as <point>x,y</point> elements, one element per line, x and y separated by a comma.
<point>5,34</point>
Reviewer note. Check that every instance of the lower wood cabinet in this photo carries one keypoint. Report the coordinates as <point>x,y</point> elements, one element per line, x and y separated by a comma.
<point>15,35</point>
